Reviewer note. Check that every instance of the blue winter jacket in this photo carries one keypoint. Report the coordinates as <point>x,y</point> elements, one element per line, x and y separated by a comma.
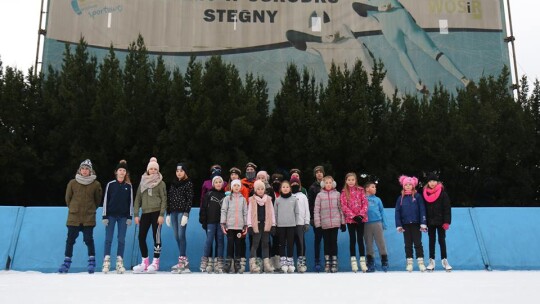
<point>376,210</point>
<point>410,211</point>
<point>118,200</point>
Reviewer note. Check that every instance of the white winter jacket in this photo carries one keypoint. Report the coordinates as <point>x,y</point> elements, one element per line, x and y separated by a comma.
<point>303,209</point>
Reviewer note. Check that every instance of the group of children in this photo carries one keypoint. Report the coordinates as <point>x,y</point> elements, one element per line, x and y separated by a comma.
<point>272,212</point>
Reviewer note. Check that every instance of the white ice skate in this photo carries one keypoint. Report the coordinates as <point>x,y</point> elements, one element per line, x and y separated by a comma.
<point>120,265</point>
<point>446,266</point>
<point>106,264</point>
<point>421,265</point>
<point>354,264</point>
<point>154,267</point>
<point>431,266</point>
<point>409,267</point>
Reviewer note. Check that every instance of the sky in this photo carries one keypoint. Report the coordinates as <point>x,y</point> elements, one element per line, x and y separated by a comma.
<point>375,288</point>
<point>19,21</point>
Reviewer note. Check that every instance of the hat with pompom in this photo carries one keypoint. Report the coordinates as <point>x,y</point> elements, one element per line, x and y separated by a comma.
<point>405,180</point>
<point>152,164</point>
<point>122,165</point>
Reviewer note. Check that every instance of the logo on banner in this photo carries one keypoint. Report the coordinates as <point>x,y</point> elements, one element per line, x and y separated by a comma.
<point>93,8</point>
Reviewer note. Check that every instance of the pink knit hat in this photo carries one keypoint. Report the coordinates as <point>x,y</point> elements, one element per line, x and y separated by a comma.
<point>404,180</point>
<point>258,184</point>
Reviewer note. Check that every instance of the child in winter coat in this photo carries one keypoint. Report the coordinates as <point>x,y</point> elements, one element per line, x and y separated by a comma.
<point>411,220</point>
<point>117,211</point>
<point>314,189</point>
<point>209,217</point>
<point>234,225</point>
<point>329,217</point>
<point>439,218</point>
<point>179,201</point>
<point>354,205</point>
<point>302,223</point>
<point>215,170</point>
<point>286,209</point>
<point>261,223</point>
<point>152,199</point>
<point>83,195</point>
<point>373,229</point>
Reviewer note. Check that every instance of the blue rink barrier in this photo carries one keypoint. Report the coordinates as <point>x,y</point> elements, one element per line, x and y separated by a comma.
<point>33,238</point>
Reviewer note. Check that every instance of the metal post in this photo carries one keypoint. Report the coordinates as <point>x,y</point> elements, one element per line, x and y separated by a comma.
<point>40,32</point>
<point>511,39</point>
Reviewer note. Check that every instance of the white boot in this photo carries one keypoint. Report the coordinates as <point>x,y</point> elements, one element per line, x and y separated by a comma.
<point>421,265</point>
<point>154,267</point>
<point>106,264</point>
<point>431,265</point>
<point>204,264</point>
<point>445,265</point>
<point>363,265</point>
<point>290,265</point>
<point>142,267</point>
<point>283,263</point>
<point>354,264</point>
<point>120,265</point>
<point>409,267</point>
<point>212,265</point>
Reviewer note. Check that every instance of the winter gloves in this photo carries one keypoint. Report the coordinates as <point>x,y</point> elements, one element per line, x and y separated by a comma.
<point>358,219</point>
<point>183,221</point>
<point>250,230</point>
<point>423,228</point>
<point>105,222</point>
<point>306,227</point>
<point>446,226</point>
<point>128,222</point>
<point>343,228</point>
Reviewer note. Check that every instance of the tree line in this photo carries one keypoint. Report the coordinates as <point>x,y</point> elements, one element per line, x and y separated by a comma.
<point>482,141</point>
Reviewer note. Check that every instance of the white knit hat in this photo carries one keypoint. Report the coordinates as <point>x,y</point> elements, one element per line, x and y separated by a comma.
<point>152,164</point>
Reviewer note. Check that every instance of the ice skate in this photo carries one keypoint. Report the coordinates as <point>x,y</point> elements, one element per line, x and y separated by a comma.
<point>106,264</point>
<point>142,267</point>
<point>218,265</point>
<point>183,265</point>
<point>64,268</point>
<point>384,262</point>
<point>276,261</point>
<point>354,264</point>
<point>228,267</point>
<point>120,265</point>
<point>283,264</point>
<point>431,265</point>
<point>334,267</point>
<point>445,265</point>
<point>268,268</point>
<point>212,264</point>
<point>290,265</point>
<point>91,264</point>
<point>327,264</point>
<point>301,264</point>
<point>370,264</point>
<point>204,264</point>
<point>363,265</point>
<point>154,267</point>
<point>409,267</point>
<point>421,265</point>
<point>242,265</point>
<point>253,268</point>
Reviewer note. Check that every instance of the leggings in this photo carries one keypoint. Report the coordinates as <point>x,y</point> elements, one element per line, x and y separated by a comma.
<point>234,244</point>
<point>147,220</point>
<point>286,241</point>
<point>330,241</point>
<point>433,232</point>
<point>356,235</point>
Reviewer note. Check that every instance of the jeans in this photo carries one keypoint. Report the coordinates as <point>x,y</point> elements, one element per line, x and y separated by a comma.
<point>213,231</point>
<point>109,232</point>
<point>179,231</point>
<point>88,237</point>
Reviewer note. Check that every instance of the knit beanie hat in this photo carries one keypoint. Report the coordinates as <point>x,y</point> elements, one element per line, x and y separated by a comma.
<point>252,165</point>
<point>294,180</point>
<point>277,178</point>
<point>404,180</point>
<point>183,167</point>
<point>235,170</point>
<point>258,184</point>
<point>152,164</point>
<point>263,173</point>
<point>86,163</point>
<point>318,168</point>
<point>236,182</point>
<point>215,178</point>
<point>432,176</point>
<point>297,171</point>
<point>122,165</point>
<point>215,170</point>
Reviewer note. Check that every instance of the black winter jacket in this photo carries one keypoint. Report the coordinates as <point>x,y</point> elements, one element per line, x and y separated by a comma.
<point>210,212</point>
<point>439,212</point>
<point>180,196</point>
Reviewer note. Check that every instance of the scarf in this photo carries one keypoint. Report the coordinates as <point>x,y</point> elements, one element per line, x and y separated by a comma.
<point>260,200</point>
<point>85,180</point>
<point>150,181</point>
<point>431,195</point>
<point>286,195</point>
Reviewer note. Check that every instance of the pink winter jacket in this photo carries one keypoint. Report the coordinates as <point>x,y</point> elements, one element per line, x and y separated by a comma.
<point>357,204</point>
<point>327,212</point>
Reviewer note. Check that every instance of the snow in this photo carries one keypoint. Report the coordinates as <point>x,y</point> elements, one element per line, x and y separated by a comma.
<point>393,287</point>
